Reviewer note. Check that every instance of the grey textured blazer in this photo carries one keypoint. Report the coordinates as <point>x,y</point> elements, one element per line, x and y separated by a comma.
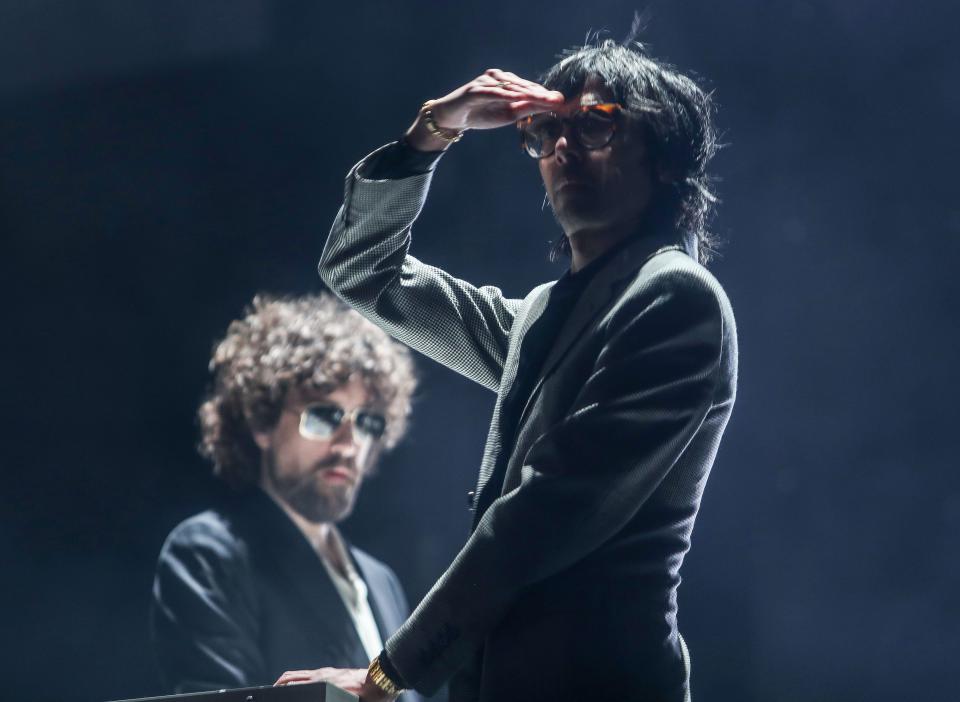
<point>566,588</point>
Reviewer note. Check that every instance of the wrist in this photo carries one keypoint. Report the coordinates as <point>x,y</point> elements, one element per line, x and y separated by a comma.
<point>426,135</point>
<point>386,683</point>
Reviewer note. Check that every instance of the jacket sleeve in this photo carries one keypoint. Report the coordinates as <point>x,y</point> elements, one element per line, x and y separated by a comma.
<point>584,479</point>
<point>400,599</point>
<point>366,263</point>
<point>204,614</point>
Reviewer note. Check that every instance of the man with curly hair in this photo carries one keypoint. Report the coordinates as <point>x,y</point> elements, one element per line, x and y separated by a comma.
<point>306,395</point>
<point>614,383</point>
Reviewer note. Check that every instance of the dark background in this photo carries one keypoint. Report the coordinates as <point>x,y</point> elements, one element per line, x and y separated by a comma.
<point>162,161</point>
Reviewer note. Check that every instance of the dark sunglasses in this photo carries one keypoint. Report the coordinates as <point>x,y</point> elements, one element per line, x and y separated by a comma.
<point>592,126</point>
<point>320,420</point>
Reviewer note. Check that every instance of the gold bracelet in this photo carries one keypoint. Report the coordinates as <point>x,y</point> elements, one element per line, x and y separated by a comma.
<point>381,680</point>
<point>450,135</point>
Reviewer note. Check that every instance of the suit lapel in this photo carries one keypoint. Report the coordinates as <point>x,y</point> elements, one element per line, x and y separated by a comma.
<point>534,311</point>
<point>598,295</point>
<point>297,562</point>
<point>600,292</point>
<point>383,607</point>
<point>537,305</point>
<point>583,314</point>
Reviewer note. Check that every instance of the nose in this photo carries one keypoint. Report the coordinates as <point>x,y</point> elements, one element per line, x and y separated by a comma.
<point>343,437</point>
<point>565,146</point>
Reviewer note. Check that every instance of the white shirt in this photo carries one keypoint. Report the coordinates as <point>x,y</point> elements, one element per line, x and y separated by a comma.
<point>329,546</point>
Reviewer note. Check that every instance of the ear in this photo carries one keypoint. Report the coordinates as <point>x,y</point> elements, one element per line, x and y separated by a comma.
<point>262,439</point>
<point>373,459</point>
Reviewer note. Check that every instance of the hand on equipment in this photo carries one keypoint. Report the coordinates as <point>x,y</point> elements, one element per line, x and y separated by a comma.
<point>355,680</point>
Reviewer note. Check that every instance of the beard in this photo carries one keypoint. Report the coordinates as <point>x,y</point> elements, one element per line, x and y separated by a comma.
<point>309,496</point>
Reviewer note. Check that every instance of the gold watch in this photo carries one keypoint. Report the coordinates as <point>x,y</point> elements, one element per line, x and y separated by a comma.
<point>381,680</point>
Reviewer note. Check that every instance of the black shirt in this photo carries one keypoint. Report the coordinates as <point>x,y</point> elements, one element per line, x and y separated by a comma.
<point>400,160</point>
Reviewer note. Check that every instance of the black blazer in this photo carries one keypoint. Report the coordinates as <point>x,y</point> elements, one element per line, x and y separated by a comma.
<point>585,503</point>
<point>240,596</point>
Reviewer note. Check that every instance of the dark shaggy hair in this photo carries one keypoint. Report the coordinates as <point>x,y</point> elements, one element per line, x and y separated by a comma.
<point>313,342</point>
<point>677,115</point>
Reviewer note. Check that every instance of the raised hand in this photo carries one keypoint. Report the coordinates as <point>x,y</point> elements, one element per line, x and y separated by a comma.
<point>493,99</point>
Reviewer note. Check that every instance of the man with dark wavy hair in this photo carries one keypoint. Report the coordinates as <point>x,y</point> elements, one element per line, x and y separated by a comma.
<point>306,395</point>
<point>614,384</point>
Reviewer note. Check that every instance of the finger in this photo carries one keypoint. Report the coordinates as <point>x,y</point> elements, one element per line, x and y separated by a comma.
<point>525,108</point>
<point>493,77</point>
<point>486,81</point>
<point>516,96</point>
<point>501,93</point>
<point>303,680</point>
<point>508,77</point>
<point>285,680</point>
<point>292,675</point>
<point>514,79</point>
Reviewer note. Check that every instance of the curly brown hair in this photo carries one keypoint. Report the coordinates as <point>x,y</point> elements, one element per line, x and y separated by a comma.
<point>313,342</point>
